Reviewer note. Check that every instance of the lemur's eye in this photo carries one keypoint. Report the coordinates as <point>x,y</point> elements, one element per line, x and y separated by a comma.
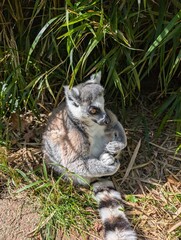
<point>94,110</point>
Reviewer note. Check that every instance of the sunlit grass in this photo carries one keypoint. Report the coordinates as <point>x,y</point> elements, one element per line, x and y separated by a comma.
<point>63,207</point>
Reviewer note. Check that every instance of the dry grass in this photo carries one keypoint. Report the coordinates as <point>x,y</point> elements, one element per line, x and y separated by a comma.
<point>149,177</point>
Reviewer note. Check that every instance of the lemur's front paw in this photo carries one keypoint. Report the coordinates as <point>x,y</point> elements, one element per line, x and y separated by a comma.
<point>111,164</point>
<point>114,147</point>
<point>107,159</point>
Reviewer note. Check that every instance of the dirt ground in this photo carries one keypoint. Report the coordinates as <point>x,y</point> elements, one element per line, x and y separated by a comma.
<point>149,179</point>
<point>18,217</point>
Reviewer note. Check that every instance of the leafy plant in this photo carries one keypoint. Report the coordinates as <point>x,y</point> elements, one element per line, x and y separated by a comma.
<point>179,146</point>
<point>50,43</point>
<point>171,110</point>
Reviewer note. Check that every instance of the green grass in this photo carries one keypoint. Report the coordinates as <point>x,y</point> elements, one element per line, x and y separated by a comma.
<point>178,135</point>
<point>170,111</point>
<point>62,206</point>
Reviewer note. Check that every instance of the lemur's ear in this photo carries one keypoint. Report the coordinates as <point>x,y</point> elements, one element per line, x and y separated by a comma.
<point>72,95</point>
<point>95,78</point>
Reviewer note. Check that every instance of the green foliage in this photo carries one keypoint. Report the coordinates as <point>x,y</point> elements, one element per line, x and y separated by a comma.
<point>62,206</point>
<point>171,110</point>
<point>46,44</point>
<point>179,146</point>
<point>131,198</point>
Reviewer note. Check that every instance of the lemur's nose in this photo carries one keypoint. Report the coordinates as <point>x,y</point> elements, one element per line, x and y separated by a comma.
<point>104,120</point>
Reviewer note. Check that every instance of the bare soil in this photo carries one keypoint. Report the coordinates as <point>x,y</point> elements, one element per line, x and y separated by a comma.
<point>18,217</point>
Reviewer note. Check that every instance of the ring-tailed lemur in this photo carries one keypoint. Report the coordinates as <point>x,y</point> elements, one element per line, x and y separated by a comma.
<point>84,138</point>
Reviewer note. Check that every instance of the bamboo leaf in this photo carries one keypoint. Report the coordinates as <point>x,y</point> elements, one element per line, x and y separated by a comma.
<point>80,18</point>
<point>40,34</point>
<point>164,33</point>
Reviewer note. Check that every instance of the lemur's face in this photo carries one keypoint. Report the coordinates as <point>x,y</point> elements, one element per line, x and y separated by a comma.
<point>86,102</point>
<point>95,112</point>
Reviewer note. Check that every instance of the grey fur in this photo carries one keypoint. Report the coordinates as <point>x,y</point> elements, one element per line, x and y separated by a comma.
<point>76,142</point>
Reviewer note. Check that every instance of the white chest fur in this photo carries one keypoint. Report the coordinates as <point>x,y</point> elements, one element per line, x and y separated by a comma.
<point>97,140</point>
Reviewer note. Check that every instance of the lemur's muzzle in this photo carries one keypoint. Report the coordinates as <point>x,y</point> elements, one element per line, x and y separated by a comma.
<point>104,120</point>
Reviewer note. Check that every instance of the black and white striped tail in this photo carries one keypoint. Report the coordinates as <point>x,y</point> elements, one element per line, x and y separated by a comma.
<point>112,214</point>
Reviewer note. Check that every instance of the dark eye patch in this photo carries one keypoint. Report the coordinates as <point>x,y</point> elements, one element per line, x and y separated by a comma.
<point>74,103</point>
<point>94,110</point>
